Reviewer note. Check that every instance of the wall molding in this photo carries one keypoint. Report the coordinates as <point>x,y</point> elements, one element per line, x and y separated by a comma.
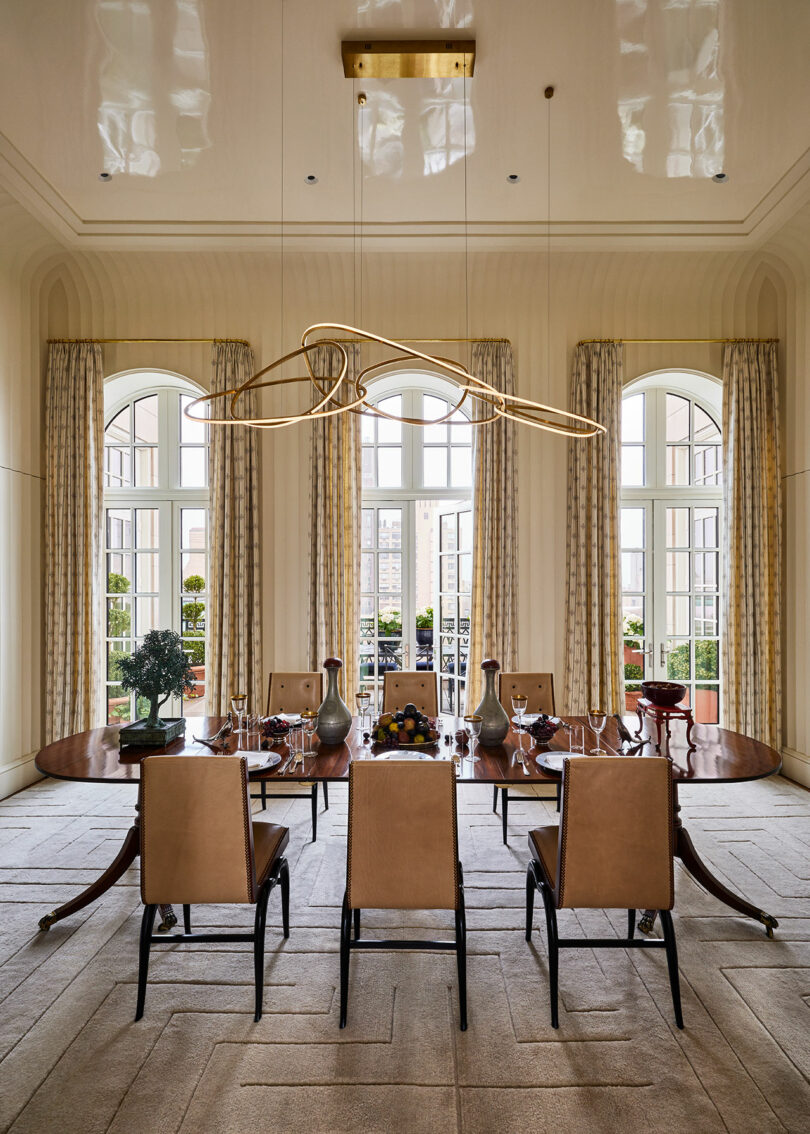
<point>796,766</point>
<point>19,774</point>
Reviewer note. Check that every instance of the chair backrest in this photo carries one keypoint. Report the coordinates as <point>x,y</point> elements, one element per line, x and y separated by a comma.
<point>420,689</point>
<point>616,833</point>
<point>403,835</point>
<point>538,687</point>
<point>196,830</point>
<point>294,692</point>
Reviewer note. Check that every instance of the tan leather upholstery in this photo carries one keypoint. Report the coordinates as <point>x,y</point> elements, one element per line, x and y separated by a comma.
<point>544,843</point>
<point>269,841</point>
<point>403,840</point>
<point>420,689</point>
<point>616,841</point>
<point>538,687</point>
<point>294,692</point>
<point>197,837</point>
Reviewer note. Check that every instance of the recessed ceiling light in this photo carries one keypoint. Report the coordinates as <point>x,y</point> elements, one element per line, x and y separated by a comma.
<point>513,178</point>
<point>311,179</point>
<point>105,176</point>
<point>720,178</point>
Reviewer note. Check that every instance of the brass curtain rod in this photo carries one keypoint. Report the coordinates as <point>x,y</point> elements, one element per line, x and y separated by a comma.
<point>583,342</point>
<point>244,342</point>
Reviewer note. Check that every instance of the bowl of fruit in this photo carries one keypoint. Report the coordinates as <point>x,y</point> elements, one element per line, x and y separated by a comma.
<point>406,729</point>
<point>543,728</point>
<point>274,730</point>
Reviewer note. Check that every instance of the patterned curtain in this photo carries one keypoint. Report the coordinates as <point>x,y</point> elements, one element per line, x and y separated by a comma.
<point>751,669</point>
<point>594,674</point>
<point>493,625</point>
<point>74,586</point>
<point>335,494</point>
<point>234,631</point>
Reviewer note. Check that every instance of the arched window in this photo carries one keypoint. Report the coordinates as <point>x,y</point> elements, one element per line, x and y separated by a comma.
<point>416,536</point>
<point>156,527</point>
<point>670,536</point>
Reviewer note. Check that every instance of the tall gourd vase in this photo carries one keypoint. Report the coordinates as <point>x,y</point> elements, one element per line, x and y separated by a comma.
<point>495,724</point>
<point>334,715</point>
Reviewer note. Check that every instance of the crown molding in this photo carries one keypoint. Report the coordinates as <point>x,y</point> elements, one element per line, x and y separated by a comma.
<point>44,201</point>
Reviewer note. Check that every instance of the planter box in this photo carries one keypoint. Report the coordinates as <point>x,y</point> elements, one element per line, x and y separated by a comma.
<point>140,735</point>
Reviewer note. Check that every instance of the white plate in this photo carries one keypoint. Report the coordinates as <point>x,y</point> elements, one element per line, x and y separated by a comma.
<point>528,718</point>
<point>257,761</point>
<point>553,761</point>
<point>290,718</point>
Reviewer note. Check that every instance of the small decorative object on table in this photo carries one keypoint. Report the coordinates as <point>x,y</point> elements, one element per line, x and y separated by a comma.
<point>663,714</point>
<point>542,729</point>
<point>406,729</point>
<point>334,716</point>
<point>274,730</point>
<point>494,721</point>
<point>158,670</point>
<point>663,693</point>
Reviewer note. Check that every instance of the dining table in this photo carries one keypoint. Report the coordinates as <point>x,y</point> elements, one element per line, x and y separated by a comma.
<point>713,755</point>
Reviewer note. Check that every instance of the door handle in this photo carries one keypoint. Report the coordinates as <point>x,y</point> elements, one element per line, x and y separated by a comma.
<point>406,655</point>
<point>664,651</point>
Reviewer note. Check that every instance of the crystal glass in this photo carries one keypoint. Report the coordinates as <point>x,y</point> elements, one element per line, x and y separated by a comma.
<point>363,702</point>
<point>295,742</point>
<point>239,704</point>
<point>519,703</point>
<point>597,719</point>
<point>576,737</point>
<point>473,724</point>
<point>309,719</point>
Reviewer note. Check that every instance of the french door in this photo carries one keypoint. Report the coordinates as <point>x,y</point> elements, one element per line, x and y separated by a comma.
<point>671,598</point>
<point>453,586</point>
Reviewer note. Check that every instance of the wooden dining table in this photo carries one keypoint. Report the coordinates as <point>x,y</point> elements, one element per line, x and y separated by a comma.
<point>715,755</point>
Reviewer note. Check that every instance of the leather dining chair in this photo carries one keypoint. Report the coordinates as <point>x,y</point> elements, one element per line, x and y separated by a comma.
<point>539,689</point>
<point>402,854</point>
<point>613,849</point>
<point>292,693</point>
<point>402,688</point>
<point>199,845</point>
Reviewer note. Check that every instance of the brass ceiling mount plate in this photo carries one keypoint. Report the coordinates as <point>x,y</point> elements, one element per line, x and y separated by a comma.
<point>408,58</point>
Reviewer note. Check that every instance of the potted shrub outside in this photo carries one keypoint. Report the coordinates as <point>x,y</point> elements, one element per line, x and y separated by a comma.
<point>424,627</point>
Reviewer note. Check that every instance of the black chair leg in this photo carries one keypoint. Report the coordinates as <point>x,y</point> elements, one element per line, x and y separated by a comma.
<point>264,795</point>
<point>345,935</point>
<point>504,811</point>
<point>530,888</point>
<point>495,799</point>
<point>325,795</point>
<point>187,919</point>
<point>553,954</point>
<point>461,960</point>
<point>147,925</point>
<point>631,924</point>
<point>258,948</point>
<point>672,964</point>
<point>284,880</point>
<point>314,798</point>
<point>357,925</point>
<point>559,793</point>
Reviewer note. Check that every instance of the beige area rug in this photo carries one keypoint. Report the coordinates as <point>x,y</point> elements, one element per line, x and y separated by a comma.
<point>74,1061</point>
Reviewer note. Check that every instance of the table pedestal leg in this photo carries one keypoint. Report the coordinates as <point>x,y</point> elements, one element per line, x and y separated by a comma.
<point>129,851</point>
<point>685,851</point>
<point>117,868</point>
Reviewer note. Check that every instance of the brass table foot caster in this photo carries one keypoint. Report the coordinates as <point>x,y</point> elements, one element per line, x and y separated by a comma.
<point>646,923</point>
<point>169,919</point>
<point>47,921</point>
<point>769,922</point>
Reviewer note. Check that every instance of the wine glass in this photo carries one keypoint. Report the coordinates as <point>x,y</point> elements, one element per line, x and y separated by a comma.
<point>363,700</point>
<point>238,704</point>
<point>473,723</point>
<point>309,718</point>
<point>519,703</point>
<point>597,719</point>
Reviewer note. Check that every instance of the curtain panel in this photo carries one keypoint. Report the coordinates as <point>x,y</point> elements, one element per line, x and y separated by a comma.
<point>751,650</point>
<point>594,674</point>
<point>74,583</point>
<point>335,495</point>
<point>234,657</point>
<point>494,599</point>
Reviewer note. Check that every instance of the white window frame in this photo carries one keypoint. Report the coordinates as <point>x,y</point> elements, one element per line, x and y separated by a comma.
<point>168,497</point>
<point>655,496</point>
<point>411,385</point>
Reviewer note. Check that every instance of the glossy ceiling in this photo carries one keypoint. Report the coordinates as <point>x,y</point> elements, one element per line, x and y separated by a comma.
<point>181,100</point>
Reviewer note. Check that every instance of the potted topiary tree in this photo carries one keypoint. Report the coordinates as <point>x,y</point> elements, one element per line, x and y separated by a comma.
<point>424,626</point>
<point>158,670</point>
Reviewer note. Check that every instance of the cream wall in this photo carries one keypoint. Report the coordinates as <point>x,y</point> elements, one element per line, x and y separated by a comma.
<point>632,294</point>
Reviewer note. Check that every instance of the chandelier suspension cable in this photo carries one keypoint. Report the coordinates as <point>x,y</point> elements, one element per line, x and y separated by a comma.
<point>549,94</point>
